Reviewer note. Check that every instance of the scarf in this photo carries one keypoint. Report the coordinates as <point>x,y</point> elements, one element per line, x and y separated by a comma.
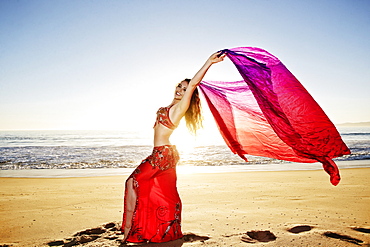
<point>269,113</point>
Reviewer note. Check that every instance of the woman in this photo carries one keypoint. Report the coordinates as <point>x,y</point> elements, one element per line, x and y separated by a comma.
<point>152,207</point>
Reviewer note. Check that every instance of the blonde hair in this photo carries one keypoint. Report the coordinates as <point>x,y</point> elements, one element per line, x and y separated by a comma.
<point>193,116</point>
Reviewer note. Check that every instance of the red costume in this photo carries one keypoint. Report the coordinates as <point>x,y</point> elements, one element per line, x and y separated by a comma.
<point>157,214</point>
<point>164,118</point>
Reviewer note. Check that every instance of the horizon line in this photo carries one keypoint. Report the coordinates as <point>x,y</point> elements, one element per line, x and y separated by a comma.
<point>367,123</point>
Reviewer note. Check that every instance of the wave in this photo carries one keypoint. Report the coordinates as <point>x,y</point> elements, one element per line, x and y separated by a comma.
<point>355,134</point>
<point>233,160</point>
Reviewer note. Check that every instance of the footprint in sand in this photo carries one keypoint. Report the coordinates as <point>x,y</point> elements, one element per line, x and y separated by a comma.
<point>360,229</point>
<point>343,237</point>
<point>191,237</point>
<point>107,231</point>
<point>258,236</point>
<point>299,229</point>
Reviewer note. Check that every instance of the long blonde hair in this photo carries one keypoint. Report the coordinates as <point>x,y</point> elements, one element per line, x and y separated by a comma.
<point>193,116</point>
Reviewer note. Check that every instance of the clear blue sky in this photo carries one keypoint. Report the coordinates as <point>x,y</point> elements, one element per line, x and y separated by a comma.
<point>111,64</point>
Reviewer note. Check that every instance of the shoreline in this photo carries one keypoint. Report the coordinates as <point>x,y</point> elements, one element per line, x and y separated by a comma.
<point>181,169</point>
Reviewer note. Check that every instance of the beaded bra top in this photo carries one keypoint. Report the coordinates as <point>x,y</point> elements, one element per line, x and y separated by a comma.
<point>163,117</point>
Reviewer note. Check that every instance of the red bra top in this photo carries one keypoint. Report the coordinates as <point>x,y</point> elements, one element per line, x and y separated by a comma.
<point>163,117</point>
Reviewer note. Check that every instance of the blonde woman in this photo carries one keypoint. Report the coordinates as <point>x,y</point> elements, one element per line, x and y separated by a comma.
<point>152,206</point>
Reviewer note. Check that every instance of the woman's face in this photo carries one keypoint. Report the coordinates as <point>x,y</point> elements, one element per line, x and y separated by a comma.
<point>180,90</point>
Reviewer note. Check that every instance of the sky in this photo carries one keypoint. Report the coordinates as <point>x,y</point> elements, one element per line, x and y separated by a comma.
<point>91,64</point>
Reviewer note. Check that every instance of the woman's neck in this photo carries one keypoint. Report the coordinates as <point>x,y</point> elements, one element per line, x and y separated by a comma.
<point>175,101</point>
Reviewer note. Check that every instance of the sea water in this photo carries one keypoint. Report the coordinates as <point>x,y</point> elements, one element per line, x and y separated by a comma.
<point>36,150</point>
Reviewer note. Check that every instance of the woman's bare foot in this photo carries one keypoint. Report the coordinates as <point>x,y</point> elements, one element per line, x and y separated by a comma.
<point>125,233</point>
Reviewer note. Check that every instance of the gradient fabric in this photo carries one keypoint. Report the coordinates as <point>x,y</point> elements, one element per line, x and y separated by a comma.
<point>269,113</point>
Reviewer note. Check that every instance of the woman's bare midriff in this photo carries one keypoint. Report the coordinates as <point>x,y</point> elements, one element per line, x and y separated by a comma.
<point>162,135</point>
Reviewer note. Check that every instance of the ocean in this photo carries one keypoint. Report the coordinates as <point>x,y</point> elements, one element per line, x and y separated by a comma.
<point>76,151</point>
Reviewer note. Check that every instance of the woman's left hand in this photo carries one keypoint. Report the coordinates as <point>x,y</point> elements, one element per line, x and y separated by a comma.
<point>216,57</point>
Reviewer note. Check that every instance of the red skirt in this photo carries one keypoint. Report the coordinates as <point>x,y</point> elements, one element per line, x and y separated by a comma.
<point>157,215</point>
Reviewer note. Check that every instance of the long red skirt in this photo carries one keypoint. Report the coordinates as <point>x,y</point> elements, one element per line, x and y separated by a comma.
<point>157,214</point>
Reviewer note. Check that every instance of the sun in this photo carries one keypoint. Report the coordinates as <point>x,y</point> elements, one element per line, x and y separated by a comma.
<point>207,136</point>
<point>184,141</point>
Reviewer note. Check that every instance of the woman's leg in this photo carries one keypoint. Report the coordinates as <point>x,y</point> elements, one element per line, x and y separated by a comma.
<point>130,206</point>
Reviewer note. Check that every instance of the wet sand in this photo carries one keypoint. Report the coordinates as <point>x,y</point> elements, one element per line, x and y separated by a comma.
<point>281,208</point>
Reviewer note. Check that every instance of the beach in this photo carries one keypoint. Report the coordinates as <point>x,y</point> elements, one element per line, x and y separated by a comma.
<point>219,209</point>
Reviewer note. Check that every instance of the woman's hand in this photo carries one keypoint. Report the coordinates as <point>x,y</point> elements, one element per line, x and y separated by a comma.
<point>184,103</point>
<point>216,57</point>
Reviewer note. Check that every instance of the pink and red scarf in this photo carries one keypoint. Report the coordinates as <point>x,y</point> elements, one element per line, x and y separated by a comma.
<point>269,113</point>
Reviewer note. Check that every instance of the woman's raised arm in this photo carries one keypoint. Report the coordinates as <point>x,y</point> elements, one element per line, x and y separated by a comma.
<point>183,105</point>
<point>198,77</point>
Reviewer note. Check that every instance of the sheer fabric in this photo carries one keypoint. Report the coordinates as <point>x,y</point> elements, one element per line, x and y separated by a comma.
<point>269,113</point>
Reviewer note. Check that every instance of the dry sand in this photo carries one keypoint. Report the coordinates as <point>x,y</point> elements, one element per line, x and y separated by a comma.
<point>218,209</point>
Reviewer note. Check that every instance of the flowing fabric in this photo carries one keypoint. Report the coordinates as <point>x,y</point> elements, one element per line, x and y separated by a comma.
<point>157,214</point>
<point>269,113</point>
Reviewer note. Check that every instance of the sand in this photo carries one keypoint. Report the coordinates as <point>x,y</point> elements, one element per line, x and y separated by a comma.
<point>218,209</point>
